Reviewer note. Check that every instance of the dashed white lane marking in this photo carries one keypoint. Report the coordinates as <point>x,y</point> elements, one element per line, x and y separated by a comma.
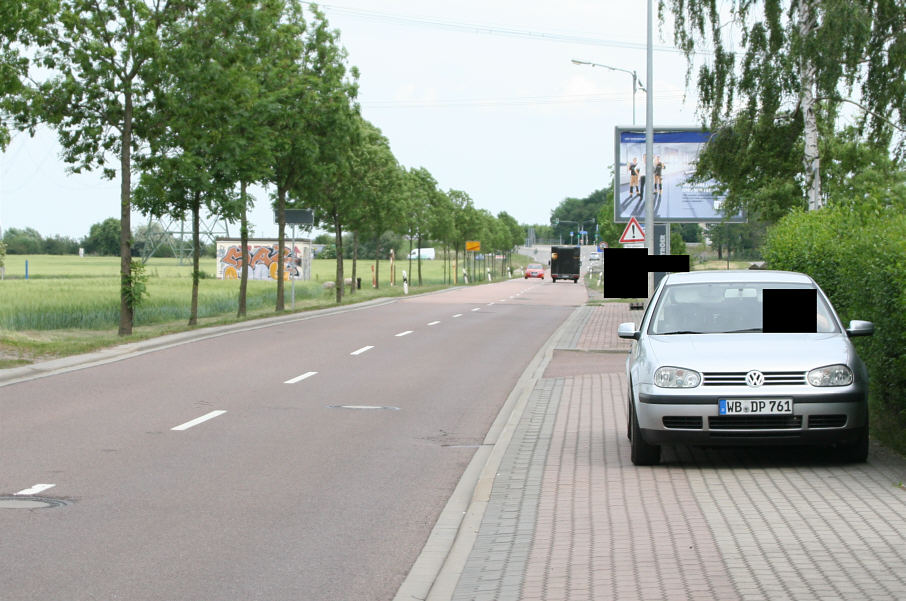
<point>433,323</point>
<point>37,488</point>
<point>476,308</point>
<point>199,420</point>
<point>406,333</point>
<point>362,350</point>
<point>458,315</point>
<point>307,374</point>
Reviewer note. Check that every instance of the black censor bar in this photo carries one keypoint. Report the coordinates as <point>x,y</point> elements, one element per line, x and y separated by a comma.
<point>626,270</point>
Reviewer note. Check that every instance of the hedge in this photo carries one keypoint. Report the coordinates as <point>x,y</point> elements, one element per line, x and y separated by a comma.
<point>858,257</point>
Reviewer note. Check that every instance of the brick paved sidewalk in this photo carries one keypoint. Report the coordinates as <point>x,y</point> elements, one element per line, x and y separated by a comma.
<point>570,518</point>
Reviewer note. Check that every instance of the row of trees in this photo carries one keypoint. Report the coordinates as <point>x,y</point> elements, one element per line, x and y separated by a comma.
<point>203,98</point>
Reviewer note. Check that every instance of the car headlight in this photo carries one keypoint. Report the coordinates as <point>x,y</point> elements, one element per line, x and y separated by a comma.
<point>676,377</point>
<point>831,375</point>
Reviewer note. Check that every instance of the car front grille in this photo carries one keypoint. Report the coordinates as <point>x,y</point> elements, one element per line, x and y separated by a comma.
<point>683,422</point>
<point>738,378</point>
<point>826,421</point>
<point>755,422</point>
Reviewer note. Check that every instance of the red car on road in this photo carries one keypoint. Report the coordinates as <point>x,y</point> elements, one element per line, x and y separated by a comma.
<point>534,270</point>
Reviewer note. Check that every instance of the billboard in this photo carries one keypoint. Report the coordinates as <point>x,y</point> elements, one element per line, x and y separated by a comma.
<point>262,256</point>
<point>675,199</point>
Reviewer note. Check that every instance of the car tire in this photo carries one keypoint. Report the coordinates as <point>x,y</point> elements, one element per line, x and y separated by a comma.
<point>642,453</point>
<point>629,417</point>
<point>855,451</point>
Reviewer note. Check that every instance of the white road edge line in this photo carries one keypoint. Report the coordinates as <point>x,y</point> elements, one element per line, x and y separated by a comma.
<point>199,420</point>
<point>37,488</point>
<point>433,323</point>
<point>307,374</point>
<point>406,333</point>
<point>361,350</point>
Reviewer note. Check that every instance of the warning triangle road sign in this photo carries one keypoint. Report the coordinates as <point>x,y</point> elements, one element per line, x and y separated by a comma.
<point>633,232</point>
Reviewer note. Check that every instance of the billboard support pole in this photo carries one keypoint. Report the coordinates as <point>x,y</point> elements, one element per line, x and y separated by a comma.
<point>649,147</point>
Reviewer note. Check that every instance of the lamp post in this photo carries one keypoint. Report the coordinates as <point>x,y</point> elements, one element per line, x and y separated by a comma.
<point>635,79</point>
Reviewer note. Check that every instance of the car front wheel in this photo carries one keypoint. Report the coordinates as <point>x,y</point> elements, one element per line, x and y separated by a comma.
<point>642,453</point>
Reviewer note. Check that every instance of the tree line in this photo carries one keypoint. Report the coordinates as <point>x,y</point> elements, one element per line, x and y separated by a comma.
<point>189,102</point>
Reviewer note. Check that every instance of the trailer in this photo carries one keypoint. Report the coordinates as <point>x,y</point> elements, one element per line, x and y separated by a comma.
<point>565,263</point>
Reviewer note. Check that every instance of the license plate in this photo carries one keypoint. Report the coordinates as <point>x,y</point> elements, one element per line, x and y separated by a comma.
<point>755,406</point>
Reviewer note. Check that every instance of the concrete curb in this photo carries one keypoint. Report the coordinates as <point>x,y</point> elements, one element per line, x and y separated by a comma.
<point>438,567</point>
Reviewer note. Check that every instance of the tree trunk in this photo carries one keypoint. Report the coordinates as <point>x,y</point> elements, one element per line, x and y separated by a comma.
<point>355,258</point>
<point>811,160</point>
<point>377,262</point>
<point>126,308</point>
<point>244,243</point>
<point>281,248</point>
<point>338,239</point>
<point>196,252</point>
<point>419,260</point>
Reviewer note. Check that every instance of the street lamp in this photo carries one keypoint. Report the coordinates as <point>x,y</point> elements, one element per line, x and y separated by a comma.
<point>635,80</point>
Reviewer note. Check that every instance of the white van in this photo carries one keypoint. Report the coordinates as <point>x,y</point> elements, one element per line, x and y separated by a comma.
<point>426,253</point>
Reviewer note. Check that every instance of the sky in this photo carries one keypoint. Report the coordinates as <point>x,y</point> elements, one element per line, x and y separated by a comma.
<point>481,93</point>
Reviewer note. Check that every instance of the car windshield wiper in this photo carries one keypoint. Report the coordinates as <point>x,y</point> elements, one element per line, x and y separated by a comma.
<point>679,332</point>
<point>742,331</point>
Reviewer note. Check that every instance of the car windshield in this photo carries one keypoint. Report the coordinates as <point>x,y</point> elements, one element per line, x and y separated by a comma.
<point>722,308</point>
<point>534,266</point>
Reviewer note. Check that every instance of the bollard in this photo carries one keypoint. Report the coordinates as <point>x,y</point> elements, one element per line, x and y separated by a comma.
<point>405,283</point>
<point>489,274</point>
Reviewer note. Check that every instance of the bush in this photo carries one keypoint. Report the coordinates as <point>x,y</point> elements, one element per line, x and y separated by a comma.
<point>858,256</point>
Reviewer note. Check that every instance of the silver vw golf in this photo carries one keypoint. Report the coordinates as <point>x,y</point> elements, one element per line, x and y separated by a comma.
<point>709,366</point>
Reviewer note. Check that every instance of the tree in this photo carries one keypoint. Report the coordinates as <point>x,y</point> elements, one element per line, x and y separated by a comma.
<point>21,22</point>
<point>690,232</point>
<point>23,242</point>
<point>60,245</point>
<point>103,238</point>
<point>801,62</point>
<point>465,224</point>
<point>573,213</point>
<point>515,232</point>
<point>422,192</point>
<point>333,127</point>
<point>199,150</point>
<point>312,121</point>
<point>102,55</point>
<point>379,179</point>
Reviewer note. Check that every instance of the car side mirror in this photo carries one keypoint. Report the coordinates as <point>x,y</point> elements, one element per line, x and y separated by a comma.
<point>857,327</point>
<point>627,330</point>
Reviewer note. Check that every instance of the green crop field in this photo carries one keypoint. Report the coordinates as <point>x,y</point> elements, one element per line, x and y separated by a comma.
<point>70,304</point>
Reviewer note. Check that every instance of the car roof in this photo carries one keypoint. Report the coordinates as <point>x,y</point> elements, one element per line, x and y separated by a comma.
<point>738,275</point>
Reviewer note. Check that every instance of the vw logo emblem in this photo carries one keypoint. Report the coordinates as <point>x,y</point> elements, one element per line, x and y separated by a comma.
<point>755,378</point>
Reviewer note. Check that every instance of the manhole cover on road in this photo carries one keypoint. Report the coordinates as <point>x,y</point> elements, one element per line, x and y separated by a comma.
<point>29,503</point>
<point>363,407</point>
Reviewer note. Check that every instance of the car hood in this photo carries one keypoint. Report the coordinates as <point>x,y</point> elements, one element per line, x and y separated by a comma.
<point>742,352</point>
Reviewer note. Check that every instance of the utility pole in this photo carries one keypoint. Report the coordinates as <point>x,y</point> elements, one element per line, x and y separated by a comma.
<point>649,147</point>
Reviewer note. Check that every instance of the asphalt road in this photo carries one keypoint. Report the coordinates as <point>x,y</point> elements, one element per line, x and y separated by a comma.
<point>329,448</point>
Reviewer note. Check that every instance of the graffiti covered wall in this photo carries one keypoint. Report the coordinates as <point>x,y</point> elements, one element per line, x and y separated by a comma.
<point>262,257</point>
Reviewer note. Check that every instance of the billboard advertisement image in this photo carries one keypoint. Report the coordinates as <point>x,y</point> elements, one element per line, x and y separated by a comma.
<point>262,259</point>
<point>675,199</point>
